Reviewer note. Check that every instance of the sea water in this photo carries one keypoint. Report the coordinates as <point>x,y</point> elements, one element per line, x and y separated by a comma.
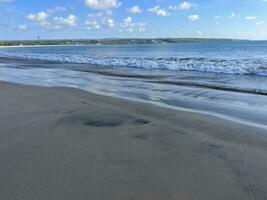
<point>226,78</point>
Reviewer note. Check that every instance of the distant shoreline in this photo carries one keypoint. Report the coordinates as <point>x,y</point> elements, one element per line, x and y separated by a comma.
<point>66,42</point>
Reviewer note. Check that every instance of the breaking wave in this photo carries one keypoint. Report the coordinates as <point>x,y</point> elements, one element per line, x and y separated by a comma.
<point>200,64</point>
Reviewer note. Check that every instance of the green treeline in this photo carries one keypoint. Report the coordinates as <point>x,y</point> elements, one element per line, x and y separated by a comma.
<point>107,41</point>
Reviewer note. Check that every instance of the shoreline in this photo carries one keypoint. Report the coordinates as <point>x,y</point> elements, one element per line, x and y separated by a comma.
<point>156,106</point>
<point>204,113</point>
<point>240,114</point>
<point>69,144</point>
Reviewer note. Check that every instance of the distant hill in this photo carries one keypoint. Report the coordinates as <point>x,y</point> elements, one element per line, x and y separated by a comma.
<point>107,41</point>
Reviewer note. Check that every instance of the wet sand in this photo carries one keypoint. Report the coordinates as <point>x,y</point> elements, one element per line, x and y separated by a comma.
<point>62,143</point>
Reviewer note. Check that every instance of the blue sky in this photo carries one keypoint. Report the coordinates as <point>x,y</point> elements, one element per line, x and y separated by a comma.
<point>57,19</point>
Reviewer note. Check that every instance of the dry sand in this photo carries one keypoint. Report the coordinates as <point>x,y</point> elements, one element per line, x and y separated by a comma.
<point>65,144</point>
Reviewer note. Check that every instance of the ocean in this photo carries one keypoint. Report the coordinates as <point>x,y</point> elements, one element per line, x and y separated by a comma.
<point>223,78</point>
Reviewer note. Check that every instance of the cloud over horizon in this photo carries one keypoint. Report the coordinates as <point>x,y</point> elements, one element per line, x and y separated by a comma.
<point>138,18</point>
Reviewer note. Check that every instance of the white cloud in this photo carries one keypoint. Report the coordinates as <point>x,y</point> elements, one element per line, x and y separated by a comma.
<point>186,5</point>
<point>199,32</point>
<point>251,18</point>
<point>99,19</point>
<point>135,9</point>
<point>92,25</point>
<point>110,23</point>
<point>129,26</point>
<point>159,11</point>
<point>70,21</point>
<point>127,22</point>
<point>41,19</point>
<point>38,17</point>
<point>193,18</point>
<point>102,4</point>
<point>22,27</point>
<point>183,6</point>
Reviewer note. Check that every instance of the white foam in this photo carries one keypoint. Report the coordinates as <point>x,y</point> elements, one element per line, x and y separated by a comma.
<point>230,66</point>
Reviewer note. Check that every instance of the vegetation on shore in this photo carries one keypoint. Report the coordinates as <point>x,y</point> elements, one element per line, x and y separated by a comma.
<point>106,41</point>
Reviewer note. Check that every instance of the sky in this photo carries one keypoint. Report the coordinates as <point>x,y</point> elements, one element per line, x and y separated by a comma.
<point>81,19</point>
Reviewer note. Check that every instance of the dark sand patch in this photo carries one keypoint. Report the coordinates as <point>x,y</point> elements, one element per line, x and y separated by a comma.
<point>104,119</point>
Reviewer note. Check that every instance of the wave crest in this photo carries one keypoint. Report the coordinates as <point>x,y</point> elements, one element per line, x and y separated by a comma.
<point>213,65</point>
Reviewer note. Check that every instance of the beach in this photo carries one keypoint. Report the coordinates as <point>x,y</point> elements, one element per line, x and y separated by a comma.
<point>64,143</point>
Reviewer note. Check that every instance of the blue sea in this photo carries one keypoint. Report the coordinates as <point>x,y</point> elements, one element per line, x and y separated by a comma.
<point>223,78</point>
<point>233,57</point>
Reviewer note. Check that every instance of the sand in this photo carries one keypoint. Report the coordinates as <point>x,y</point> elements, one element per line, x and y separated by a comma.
<point>62,143</point>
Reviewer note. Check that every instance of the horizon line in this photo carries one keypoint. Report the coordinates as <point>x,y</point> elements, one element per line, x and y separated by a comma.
<point>136,38</point>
